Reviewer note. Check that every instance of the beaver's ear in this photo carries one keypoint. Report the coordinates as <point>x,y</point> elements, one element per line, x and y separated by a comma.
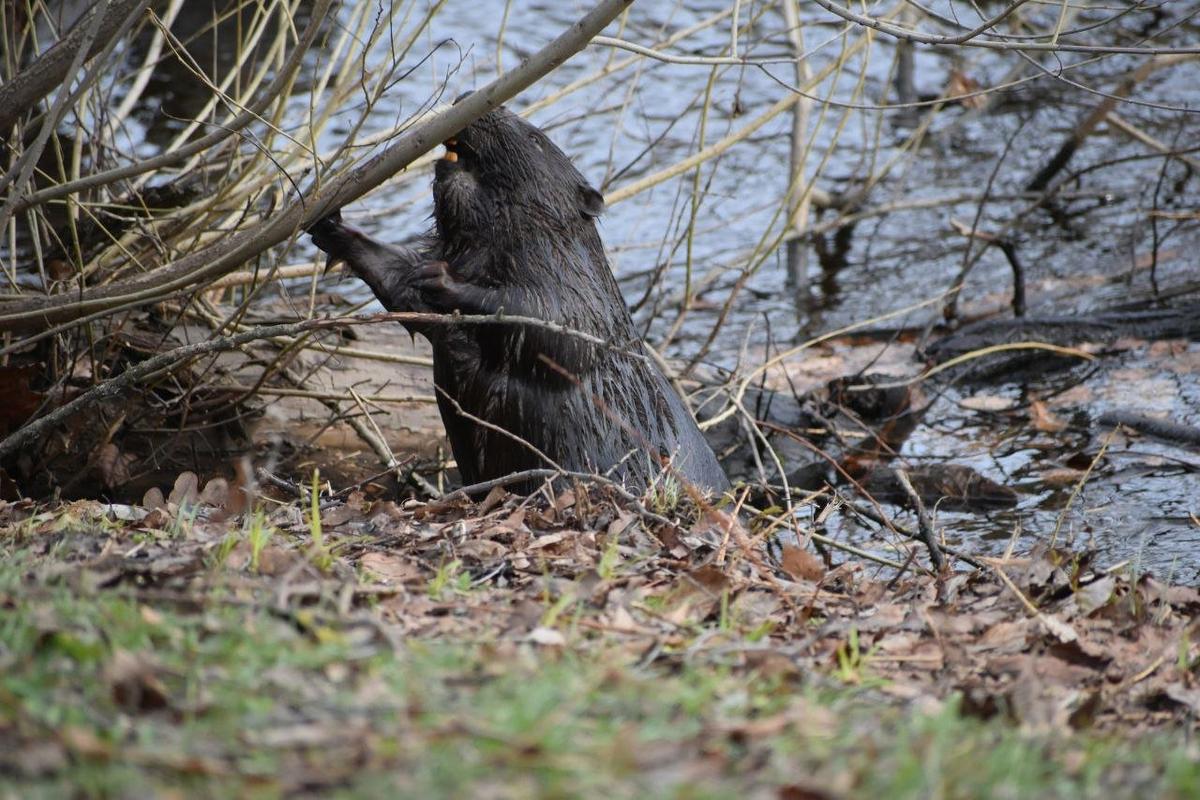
<point>591,202</point>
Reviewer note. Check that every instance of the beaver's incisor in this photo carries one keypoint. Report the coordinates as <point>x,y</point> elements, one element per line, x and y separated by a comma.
<point>515,233</point>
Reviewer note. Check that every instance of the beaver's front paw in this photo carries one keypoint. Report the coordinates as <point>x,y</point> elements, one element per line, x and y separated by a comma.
<point>439,288</point>
<point>329,232</point>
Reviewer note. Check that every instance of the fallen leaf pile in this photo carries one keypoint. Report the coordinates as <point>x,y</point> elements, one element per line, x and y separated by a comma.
<point>1047,639</point>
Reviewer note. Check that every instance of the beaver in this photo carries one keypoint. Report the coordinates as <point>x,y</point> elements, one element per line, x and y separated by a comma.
<point>515,234</point>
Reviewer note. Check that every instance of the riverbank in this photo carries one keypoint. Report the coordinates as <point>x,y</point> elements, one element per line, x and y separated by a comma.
<point>567,646</point>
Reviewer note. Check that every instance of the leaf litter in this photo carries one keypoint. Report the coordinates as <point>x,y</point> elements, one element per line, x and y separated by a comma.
<point>1047,641</point>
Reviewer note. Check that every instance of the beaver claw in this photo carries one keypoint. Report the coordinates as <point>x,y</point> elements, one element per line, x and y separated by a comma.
<point>329,234</point>
<point>325,223</point>
<point>434,281</point>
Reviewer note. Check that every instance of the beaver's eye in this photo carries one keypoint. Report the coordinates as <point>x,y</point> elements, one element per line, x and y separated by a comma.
<point>537,140</point>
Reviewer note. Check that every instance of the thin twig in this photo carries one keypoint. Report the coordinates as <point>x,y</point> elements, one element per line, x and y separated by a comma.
<point>925,526</point>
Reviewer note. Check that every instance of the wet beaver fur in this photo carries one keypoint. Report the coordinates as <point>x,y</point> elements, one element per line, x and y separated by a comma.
<point>515,233</point>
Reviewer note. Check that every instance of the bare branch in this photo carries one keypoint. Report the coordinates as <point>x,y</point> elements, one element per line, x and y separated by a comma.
<point>228,253</point>
<point>970,38</point>
<point>50,69</point>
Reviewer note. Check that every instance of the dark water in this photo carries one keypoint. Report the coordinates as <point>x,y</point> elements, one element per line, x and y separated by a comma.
<point>1092,252</point>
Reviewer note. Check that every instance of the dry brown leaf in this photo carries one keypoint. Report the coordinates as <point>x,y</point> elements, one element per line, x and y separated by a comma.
<point>482,550</point>
<point>185,491</point>
<point>216,493</point>
<point>1044,419</point>
<point>156,519</point>
<point>547,637</point>
<point>275,560</point>
<point>988,402</point>
<point>1063,476</point>
<point>114,466</point>
<point>133,680</point>
<point>710,578</point>
<point>884,616</point>
<point>1059,629</point>
<point>695,596</point>
<point>1187,597</point>
<point>153,498</point>
<point>549,539</point>
<point>494,498</point>
<point>1096,594</point>
<point>515,522</point>
<point>390,569</point>
<point>962,84</point>
<point>355,508</point>
<point>621,523</point>
<point>619,618</point>
<point>563,501</point>
<point>84,742</point>
<point>1004,637</point>
<point>801,564</point>
<point>717,524</point>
